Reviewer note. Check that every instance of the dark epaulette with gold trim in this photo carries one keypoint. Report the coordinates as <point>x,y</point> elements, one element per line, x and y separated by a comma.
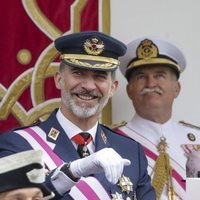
<point>189,125</point>
<point>118,125</point>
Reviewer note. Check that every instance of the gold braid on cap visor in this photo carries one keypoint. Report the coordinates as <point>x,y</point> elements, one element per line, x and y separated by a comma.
<point>81,60</point>
<point>149,61</point>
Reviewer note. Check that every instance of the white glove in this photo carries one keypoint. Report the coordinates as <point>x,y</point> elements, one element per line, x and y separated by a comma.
<point>106,160</point>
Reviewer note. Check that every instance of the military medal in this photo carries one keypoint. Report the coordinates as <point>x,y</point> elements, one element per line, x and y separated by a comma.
<point>125,184</point>
<point>189,148</point>
<point>85,150</point>
<point>82,139</point>
<point>117,196</point>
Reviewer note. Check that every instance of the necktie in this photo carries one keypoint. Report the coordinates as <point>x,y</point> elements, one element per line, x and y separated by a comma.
<point>82,139</point>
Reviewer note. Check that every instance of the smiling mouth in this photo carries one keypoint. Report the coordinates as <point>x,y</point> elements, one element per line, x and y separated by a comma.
<point>86,97</point>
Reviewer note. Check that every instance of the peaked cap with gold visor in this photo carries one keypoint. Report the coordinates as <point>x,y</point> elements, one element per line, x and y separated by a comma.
<point>151,51</point>
<point>91,50</point>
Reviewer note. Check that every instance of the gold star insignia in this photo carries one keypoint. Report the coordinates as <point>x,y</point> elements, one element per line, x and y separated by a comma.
<point>125,184</point>
<point>117,196</point>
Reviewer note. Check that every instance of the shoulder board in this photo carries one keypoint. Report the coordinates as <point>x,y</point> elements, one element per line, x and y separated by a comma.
<point>120,124</point>
<point>36,123</point>
<point>189,125</point>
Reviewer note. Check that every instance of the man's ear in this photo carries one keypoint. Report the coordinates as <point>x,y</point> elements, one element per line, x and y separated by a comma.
<point>114,87</point>
<point>177,89</point>
<point>58,80</point>
<point>128,90</point>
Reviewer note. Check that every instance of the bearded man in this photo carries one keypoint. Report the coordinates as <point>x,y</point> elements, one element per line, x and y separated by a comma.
<point>85,159</point>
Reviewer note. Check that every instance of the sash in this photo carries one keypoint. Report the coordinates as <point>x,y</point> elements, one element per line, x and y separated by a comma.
<point>179,184</point>
<point>86,188</point>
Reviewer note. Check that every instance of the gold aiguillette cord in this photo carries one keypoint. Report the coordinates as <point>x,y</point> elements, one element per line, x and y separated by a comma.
<point>163,172</point>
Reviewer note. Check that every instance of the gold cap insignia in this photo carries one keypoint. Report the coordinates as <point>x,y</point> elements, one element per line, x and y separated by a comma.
<point>104,137</point>
<point>191,136</point>
<point>93,46</point>
<point>147,49</point>
<point>53,133</point>
<point>117,196</point>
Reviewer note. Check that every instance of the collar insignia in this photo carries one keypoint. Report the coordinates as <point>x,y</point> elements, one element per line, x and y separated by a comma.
<point>104,137</point>
<point>53,133</point>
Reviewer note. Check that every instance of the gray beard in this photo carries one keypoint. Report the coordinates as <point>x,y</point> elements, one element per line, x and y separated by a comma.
<point>82,111</point>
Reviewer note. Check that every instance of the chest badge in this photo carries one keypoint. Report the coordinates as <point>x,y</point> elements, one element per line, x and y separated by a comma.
<point>53,133</point>
<point>117,196</point>
<point>125,184</point>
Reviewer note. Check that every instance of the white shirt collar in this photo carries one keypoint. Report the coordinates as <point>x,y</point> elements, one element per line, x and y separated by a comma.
<point>71,129</point>
<point>147,127</point>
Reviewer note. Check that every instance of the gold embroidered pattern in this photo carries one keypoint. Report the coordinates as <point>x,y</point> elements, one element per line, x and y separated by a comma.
<point>147,49</point>
<point>93,46</point>
<point>163,172</point>
<point>35,77</point>
<point>24,56</point>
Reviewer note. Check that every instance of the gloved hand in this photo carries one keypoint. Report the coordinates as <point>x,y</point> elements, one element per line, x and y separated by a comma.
<point>106,160</point>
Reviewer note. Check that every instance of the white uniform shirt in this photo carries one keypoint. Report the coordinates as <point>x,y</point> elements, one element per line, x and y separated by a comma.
<point>148,133</point>
<point>71,130</point>
<point>59,179</point>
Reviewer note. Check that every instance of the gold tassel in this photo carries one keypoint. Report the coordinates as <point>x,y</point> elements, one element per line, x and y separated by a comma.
<point>170,188</point>
<point>163,172</point>
<point>160,175</point>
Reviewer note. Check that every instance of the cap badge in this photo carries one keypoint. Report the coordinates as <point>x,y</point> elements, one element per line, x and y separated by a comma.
<point>191,136</point>
<point>53,133</point>
<point>36,175</point>
<point>147,49</point>
<point>93,46</point>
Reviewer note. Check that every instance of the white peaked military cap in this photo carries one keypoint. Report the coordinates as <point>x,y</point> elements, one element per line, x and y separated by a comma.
<point>23,170</point>
<point>150,51</point>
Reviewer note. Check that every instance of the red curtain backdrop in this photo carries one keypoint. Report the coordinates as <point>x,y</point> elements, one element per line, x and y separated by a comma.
<point>20,33</point>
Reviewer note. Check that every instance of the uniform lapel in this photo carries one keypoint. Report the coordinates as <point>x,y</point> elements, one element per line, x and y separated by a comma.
<point>63,145</point>
<point>101,140</point>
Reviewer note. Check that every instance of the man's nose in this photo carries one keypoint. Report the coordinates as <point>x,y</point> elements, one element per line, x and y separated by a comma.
<point>151,81</point>
<point>89,83</point>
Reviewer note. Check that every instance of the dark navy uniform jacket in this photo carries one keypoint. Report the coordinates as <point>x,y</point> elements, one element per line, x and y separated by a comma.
<point>128,148</point>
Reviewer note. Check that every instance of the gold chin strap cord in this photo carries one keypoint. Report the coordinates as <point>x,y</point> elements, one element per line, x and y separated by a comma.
<point>163,172</point>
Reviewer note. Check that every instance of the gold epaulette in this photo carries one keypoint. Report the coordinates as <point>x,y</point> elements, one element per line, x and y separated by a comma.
<point>120,124</point>
<point>189,125</point>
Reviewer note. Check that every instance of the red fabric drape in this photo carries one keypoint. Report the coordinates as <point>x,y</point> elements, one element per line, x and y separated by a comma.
<point>19,31</point>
